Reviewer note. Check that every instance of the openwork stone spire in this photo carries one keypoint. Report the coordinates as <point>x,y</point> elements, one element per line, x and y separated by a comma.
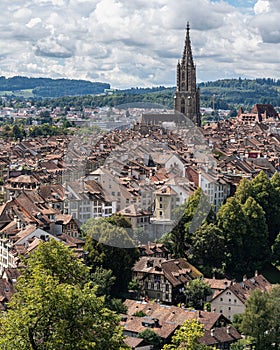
<point>187,97</point>
<point>187,54</point>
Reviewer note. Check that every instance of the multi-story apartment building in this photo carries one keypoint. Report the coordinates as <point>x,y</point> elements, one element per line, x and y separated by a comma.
<point>215,187</point>
<point>164,279</point>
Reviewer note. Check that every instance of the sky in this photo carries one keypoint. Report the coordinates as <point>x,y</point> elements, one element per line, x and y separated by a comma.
<point>137,43</point>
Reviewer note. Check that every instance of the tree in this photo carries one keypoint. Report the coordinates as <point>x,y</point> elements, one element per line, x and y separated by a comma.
<point>45,117</point>
<point>243,191</point>
<point>232,222</point>
<point>256,243</point>
<point>274,322</point>
<point>151,337</point>
<point>276,250</point>
<point>208,247</point>
<point>263,193</point>
<point>187,337</point>
<point>110,247</point>
<point>275,201</point>
<point>55,307</point>
<point>189,217</point>
<point>255,320</point>
<point>18,132</point>
<point>196,292</point>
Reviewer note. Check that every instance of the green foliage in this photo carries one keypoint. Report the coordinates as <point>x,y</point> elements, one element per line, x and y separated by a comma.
<point>45,130</point>
<point>196,292</point>
<point>236,321</point>
<point>256,242</point>
<point>242,238</point>
<point>208,247</point>
<point>118,220</point>
<point>187,337</point>
<point>46,87</point>
<point>134,285</point>
<point>55,307</point>
<point>139,314</point>
<point>262,190</point>
<point>229,93</point>
<point>151,337</point>
<point>274,224</point>
<point>241,345</point>
<point>276,251</point>
<point>261,319</point>
<point>110,247</point>
<point>232,221</point>
<point>236,92</point>
<point>243,191</point>
<point>104,280</point>
<point>243,223</point>
<point>189,216</point>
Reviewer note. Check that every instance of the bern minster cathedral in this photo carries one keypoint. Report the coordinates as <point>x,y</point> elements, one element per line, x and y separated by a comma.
<point>186,99</point>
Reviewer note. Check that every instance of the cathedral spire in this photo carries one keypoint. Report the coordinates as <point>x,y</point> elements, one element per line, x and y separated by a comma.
<point>187,54</point>
<point>187,96</point>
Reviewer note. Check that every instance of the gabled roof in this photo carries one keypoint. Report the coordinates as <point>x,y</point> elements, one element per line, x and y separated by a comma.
<point>216,336</point>
<point>176,315</point>
<point>243,290</point>
<point>176,271</point>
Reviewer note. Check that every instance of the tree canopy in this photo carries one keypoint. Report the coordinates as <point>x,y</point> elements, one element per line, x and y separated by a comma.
<point>110,246</point>
<point>56,307</point>
<point>261,319</point>
<point>187,337</point>
<point>196,292</point>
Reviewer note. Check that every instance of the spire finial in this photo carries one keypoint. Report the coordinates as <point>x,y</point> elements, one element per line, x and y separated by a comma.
<point>187,54</point>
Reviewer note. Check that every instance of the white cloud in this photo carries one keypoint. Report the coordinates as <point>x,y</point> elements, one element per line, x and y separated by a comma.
<point>137,43</point>
<point>33,22</point>
<point>262,6</point>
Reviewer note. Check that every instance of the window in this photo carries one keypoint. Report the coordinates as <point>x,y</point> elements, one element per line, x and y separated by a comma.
<point>73,205</point>
<point>152,286</point>
<point>229,300</point>
<point>160,213</point>
<point>167,287</point>
<point>221,299</point>
<point>160,199</point>
<point>229,308</point>
<point>160,206</point>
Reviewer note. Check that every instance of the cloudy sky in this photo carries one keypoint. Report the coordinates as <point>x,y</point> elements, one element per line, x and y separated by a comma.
<point>138,42</point>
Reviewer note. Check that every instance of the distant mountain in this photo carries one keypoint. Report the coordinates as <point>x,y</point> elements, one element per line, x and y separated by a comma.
<point>51,88</point>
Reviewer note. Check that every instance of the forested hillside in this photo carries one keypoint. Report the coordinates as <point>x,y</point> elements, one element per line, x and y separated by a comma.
<point>46,87</point>
<point>232,92</point>
<point>222,94</point>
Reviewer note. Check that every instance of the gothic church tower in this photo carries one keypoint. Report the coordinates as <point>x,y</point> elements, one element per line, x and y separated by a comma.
<point>187,96</point>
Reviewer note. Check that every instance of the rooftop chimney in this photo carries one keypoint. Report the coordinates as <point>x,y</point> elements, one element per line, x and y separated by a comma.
<point>228,329</point>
